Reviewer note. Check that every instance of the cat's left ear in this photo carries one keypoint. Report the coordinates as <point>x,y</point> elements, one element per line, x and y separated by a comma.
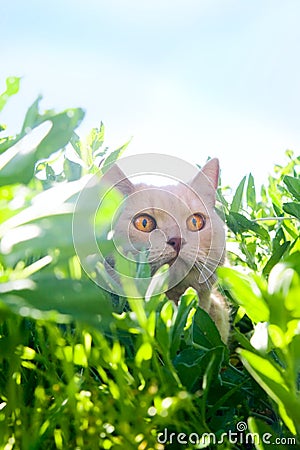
<point>206,181</point>
<point>115,177</point>
<point>211,170</point>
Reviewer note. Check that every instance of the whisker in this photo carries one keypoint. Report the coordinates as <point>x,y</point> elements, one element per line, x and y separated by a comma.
<point>204,268</point>
<point>209,257</point>
<point>212,247</point>
<point>206,275</point>
<point>208,261</point>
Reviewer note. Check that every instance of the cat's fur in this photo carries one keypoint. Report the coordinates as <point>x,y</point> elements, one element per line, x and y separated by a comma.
<point>201,252</point>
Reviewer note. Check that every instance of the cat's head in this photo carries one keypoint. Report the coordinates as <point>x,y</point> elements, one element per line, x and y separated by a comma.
<point>176,224</point>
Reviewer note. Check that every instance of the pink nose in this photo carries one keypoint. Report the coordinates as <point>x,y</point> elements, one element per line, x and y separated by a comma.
<point>176,243</point>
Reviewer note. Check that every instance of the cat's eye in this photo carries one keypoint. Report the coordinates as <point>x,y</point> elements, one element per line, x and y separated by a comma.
<point>195,222</point>
<point>145,223</point>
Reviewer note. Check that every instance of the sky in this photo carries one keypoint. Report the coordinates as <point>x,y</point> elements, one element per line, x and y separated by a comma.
<point>188,78</point>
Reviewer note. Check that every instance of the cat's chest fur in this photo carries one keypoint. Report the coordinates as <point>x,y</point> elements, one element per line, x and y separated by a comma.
<point>192,280</point>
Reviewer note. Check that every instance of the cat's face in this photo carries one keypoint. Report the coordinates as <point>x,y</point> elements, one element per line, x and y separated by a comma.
<point>175,224</point>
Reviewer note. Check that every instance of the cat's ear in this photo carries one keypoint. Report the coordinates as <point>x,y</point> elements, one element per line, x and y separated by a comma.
<point>206,180</point>
<point>115,177</point>
<point>211,171</point>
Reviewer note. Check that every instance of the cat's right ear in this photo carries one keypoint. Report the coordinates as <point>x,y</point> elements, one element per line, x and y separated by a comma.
<point>116,178</point>
<point>206,181</point>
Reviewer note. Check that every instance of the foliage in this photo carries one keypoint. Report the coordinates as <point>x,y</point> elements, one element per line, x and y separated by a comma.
<point>268,235</point>
<point>77,373</point>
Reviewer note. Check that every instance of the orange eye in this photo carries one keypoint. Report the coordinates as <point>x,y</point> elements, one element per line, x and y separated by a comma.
<point>144,222</point>
<point>195,222</point>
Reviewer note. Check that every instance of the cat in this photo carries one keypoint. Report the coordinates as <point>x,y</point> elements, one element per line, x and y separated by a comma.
<point>179,226</point>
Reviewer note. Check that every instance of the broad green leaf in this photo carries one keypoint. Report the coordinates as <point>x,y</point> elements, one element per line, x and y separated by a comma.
<point>79,355</point>
<point>293,185</point>
<point>232,223</point>
<point>144,353</point>
<point>50,174</point>
<point>277,336</point>
<point>18,162</point>
<point>242,339</point>
<point>292,301</point>
<point>275,257</point>
<point>196,367</point>
<point>53,232</point>
<point>32,121</point>
<point>54,201</point>
<point>76,144</point>
<point>12,88</point>
<point>39,298</point>
<point>167,314</point>
<point>293,261</point>
<point>292,208</point>
<point>275,192</point>
<point>238,197</point>
<point>22,147</point>
<point>190,365</point>
<point>280,280</point>
<point>113,156</point>
<point>246,293</point>
<point>291,227</point>
<point>163,327</point>
<point>187,302</point>
<point>294,350</point>
<point>243,224</point>
<point>205,332</point>
<point>61,132</point>
<point>279,239</point>
<point>213,368</point>
<point>72,170</point>
<point>251,194</point>
<point>273,382</point>
<point>291,293</point>
<point>32,118</point>
<point>49,224</point>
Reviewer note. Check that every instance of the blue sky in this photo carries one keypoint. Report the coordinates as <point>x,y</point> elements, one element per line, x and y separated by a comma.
<point>193,78</point>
